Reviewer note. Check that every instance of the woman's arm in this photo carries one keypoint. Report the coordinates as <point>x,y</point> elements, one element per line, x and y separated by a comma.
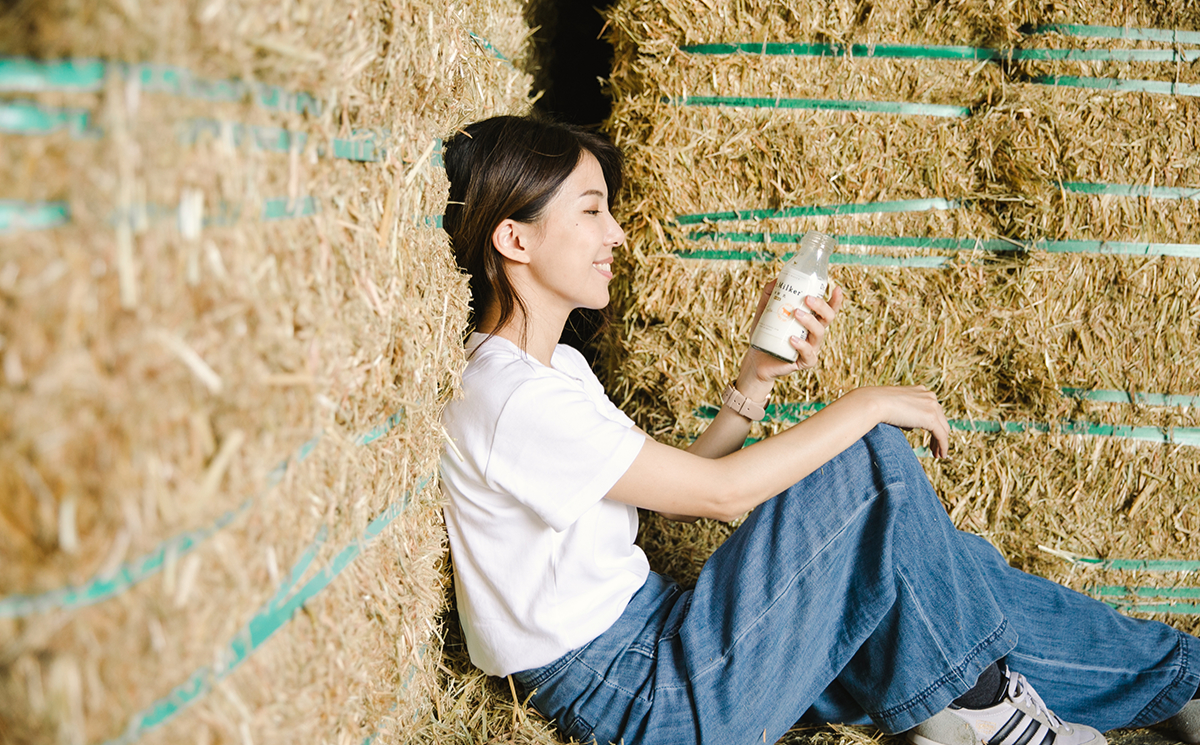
<point>716,477</point>
<point>677,482</point>
<point>727,432</point>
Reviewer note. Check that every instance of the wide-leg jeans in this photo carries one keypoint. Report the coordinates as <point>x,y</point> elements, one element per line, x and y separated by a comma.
<point>852,598</point>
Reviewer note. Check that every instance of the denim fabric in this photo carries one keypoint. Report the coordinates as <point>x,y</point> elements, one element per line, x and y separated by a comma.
<point>852,598</point>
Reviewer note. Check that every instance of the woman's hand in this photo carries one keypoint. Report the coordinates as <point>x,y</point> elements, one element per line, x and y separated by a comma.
<point>911,407</point>
<point>766,367</point>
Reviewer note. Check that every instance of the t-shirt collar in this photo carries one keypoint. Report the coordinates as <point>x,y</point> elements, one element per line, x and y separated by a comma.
<point>477,338</point>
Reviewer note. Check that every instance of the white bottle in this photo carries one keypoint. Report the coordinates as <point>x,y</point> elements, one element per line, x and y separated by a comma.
<point>806,274</point>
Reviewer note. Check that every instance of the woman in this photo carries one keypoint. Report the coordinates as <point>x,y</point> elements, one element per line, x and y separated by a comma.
<point>845,596</point>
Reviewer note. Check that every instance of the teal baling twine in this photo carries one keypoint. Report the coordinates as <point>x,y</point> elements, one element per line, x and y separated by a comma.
<point>854,208</point>
<point>1125,565</point>
<point>1160,87</point>
<point>1133,190</point>
<point>31,118</point>
<point>266,622</point>
<point>101,588</point>
<point>16,215</point>
<point>941,52</point>
<point>21,74</point>
<point>995,245</point>
<point>107,586</point>
<point>363,145</point>
<point>840,259</point>
<point>1162,35</point>
<point>823,104</point>
<point>791,412</point>
<point>27,75</point>
<point>1125,397</point>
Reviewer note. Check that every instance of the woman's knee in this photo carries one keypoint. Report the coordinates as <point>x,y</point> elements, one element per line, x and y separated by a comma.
<point>871,469</point>
<point>891,453</point>
<point>886,436</point>
<point>896,465</point>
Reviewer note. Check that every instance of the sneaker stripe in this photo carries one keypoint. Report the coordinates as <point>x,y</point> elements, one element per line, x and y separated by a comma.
<point>1049,738</point>
<point>1029,732</point>
<point>1008,728</point>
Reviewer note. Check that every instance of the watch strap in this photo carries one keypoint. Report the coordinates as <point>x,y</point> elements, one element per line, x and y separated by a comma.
<point>734,399</point>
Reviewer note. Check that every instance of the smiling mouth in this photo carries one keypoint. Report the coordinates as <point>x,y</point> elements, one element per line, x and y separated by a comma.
<point>604,267</point>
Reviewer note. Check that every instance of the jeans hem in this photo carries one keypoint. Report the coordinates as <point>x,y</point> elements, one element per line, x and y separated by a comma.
<point>929,702</point>
<point>1160,708</point>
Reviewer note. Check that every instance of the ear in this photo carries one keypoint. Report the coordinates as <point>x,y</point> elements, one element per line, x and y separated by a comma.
<point>511,239</point>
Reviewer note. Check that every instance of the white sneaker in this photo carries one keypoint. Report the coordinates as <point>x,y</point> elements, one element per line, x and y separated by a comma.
<point>1020,719</point>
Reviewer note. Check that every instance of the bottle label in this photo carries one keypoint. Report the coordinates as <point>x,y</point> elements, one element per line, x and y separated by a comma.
<point>778,323</point>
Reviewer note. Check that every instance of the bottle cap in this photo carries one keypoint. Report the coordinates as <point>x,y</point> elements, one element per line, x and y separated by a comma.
<point>818,241</point>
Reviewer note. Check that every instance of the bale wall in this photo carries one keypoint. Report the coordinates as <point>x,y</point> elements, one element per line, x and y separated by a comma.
<point>1018,233</point>
<point>229,325</point>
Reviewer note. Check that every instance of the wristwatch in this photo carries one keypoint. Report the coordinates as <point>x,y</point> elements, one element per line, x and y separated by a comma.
<point>734,399</point>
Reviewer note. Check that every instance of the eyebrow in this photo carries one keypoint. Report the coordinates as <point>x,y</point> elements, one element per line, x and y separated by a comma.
<point>592,193</point>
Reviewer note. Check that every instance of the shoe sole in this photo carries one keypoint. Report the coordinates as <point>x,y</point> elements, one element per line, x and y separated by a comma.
<point>916,739</point>
<point>919,740</point>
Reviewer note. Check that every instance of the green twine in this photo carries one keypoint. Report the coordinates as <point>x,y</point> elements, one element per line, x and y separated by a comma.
<point>269,619</point>
<point>102,588</point>
<point>283,208</point>
<point>1137,565</point>
<point>16,215</point>
<point>1123,397</point>
<point>1164,35</point>
<point>854,208</point>
<point>29,118</point>
<point>940,52</point>
<point>1119,84</point>
<point>1173,593</point>
<point>87,75</point>
<point>1133,190</point>
<point>912,262</point>
<point>1189,436</point>
<point>997,245</point>
<point>819,104</point>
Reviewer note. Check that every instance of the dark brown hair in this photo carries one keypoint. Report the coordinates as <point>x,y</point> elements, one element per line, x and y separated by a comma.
<point>510,167</point>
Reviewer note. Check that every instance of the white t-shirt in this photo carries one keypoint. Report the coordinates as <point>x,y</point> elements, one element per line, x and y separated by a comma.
<point>543,563</point>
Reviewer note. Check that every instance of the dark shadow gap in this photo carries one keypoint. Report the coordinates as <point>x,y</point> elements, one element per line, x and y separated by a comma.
<point>571,61</point>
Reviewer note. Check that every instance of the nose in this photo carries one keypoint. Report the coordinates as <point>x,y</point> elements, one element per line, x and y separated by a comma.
<point>616,236</point>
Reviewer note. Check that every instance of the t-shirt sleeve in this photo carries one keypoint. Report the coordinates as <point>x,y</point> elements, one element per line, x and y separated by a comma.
<point>556,453</point>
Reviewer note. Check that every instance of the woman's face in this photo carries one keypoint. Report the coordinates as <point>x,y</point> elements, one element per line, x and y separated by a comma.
<point>572,250</point>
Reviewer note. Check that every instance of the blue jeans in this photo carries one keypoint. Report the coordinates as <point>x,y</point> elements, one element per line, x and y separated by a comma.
<point>852,598</point>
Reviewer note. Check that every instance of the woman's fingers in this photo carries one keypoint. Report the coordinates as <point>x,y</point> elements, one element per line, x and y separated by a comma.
<point>815,323</point>
<point>826,310</point>
<point>939,444</point>
<point>808,349</point>
<point>938,426</point>
<point>815,317</point>
<point>806,353</point>
<point>917,407</point>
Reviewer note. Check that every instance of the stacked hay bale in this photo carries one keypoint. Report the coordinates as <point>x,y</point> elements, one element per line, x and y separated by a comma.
<point>228,329</point>
<point>979,258</point>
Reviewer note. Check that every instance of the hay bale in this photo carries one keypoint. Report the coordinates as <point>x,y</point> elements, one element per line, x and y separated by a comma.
<point>1005,316</point>
<point>224,373</point>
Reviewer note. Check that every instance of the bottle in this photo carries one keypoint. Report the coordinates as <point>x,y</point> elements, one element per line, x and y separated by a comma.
<point>806,274</point>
